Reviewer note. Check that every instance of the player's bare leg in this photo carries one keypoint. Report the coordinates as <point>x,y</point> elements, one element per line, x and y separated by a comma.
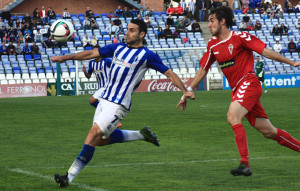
<point>235,115</point>
<point>283,138</point>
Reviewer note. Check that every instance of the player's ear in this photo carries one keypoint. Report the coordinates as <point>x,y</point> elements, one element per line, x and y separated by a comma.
<point>142,34</point>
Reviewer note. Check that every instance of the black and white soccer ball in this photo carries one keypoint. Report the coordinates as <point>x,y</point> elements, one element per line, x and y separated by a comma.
<point>62,30</point>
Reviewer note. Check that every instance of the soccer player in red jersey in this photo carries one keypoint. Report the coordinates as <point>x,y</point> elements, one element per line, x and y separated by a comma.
<point>234,53</point>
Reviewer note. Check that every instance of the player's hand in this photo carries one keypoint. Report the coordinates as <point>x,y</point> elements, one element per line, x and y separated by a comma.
<point>189,95</point>
<point>58,59</point>
<point>84,68</point>
<point>182,103</point>
<point>296,64</point>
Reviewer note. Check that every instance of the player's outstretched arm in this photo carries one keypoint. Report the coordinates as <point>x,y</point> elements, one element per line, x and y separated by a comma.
<point>201,73</point>
<point>178,83</point>
<point>278,57</point>
<point>84,55</point>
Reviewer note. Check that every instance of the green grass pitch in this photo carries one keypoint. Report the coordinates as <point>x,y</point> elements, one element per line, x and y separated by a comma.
<point>42,136</point>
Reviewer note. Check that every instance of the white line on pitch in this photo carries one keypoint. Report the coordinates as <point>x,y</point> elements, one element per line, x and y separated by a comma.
<point>84,186</point>
<point>173,162</point>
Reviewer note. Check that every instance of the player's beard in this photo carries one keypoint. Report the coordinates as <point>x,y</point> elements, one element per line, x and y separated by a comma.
<point>133,41</point>
<point>217,31</point>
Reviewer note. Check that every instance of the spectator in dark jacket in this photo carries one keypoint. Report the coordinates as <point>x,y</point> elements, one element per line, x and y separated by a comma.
<point>292,47</point>
<point>170,21</point>
<point>5,15</point>
<point>284,29</point>
<point>168,32</point>
<point>26,49</point>
<point>276,30</point>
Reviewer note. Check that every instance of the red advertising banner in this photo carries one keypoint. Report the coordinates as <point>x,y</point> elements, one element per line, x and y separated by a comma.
<point>163,85</point>
<point>23,90</point>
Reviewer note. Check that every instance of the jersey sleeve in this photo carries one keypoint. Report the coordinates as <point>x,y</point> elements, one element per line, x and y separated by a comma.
<point>107,62</point>
<point>252,42</point>
<point>108,51</point>
<point>208,58</point>
<point>156,63</point>
<point>90,71</point>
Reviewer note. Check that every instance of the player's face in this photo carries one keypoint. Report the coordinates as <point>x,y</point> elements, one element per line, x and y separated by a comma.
<point>257,59</point>
<point>134,36</point>
<point>214,25</point>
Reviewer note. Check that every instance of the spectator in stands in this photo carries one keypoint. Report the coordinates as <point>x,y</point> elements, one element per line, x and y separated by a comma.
<point>202,8</point>
<point>5,15</point>
<point>250,26</point>
<point>17,23</point>
<point>168,32</point>
<point>171,10</point>
<point>284,29</point>
<point>286,4</point>
<point>115,40</point>
<point>118,23</point>
<point>192,7</point>
<point>176,22</point>
<point>66,14</point>
<point>19,49</point>
<point>44,31</point>
<point>297,7</point>
<point>142,12</point>
<point>12,38</point>
<point>51,14</point>
<point>38,37</point>
<point>149,12</point>
<point>94,41</point>
<point>35,11</point>
<point>86,24</point>
<point>276,30</point>
<point>298,45</point>
<point>290,8</point>
<point>112,29</point>
<point>183,5</point>
<point>265,15</point>
<point>246,18</point>
<point>27,37</point>
<point>26,49</point>
<point>245,5</point>
<point>148,21</point>
<point>236,5</point>
<point>176,34</point>
<point>257,25</point>
<point>272,14</point>
<point>134,13</point>
<point>37,20</point>
<point>292,47</point>
<point>5,39</point>
<point>93,25</point>
<point>186,21</point>
<point>89,13</point>
<point>277,7</point>
<point>243,26</point>
<point>11,49</point>
<point>11,30</point>
<point>179,10</point>
<point>160,33</point>
<point>46,20</point>
<point>170,21</point>
<point>3,49</point>
<point>119,11</point>
<point>86,41</point>
<point>277,47</point>
<point>1,23</point>
<point>196,27</point>
<point>181,27</point>
<point>35,49</point>
<point>10,23</point>
<point>279,15</point>
<point>43,12</point>
<point>20,37</point>
<point>126,13</point>
<point>297,24</point>
<point>47,43</point>
<point>27,18</point>
<point>252,6</point>
<point>139,17</point>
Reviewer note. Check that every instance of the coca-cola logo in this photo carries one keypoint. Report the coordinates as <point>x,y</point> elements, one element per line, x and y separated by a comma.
<point>164,85</point>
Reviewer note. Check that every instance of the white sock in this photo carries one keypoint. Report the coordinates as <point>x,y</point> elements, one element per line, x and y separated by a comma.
<point>130,135</point>
<point>74,170</point>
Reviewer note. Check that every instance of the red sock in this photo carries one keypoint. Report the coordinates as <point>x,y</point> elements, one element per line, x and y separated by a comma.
<point>241,143</point>
<point>285,139</point>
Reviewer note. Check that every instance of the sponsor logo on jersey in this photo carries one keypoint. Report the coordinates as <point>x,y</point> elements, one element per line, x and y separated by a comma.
<point>227,64</point>
<point>230,48</point>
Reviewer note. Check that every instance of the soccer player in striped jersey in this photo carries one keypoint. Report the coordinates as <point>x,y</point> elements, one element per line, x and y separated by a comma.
<point>234,52</point>
<point>129,64</point>
<point>100,67</point>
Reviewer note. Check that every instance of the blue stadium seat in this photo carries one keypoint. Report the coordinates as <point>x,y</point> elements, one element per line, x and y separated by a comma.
<point>37,57</point>
<point>28,57</point>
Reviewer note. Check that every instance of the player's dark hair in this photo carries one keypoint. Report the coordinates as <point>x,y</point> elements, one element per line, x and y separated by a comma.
<point>224,12</point>
<point>142,25</point>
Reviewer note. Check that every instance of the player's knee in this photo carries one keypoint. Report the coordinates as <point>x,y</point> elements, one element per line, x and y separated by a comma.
<point>94,136</point>
<point>231,118</point>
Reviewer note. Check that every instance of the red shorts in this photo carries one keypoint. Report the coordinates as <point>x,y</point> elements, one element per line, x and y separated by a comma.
<point>247,93</point>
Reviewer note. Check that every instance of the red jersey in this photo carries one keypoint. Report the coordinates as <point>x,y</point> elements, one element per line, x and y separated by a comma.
<point>179,10</point>
<point>171,10</point>
<point>234,55</point>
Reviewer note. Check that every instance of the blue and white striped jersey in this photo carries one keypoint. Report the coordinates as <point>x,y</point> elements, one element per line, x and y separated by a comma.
<point>127,70</point>
<point>101,70</point>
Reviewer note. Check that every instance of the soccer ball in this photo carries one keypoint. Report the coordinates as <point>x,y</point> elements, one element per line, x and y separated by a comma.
<point>62,30</point>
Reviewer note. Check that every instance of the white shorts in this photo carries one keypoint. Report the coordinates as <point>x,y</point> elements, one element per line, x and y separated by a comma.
<point>108,115</point>
<point>98,93</point>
